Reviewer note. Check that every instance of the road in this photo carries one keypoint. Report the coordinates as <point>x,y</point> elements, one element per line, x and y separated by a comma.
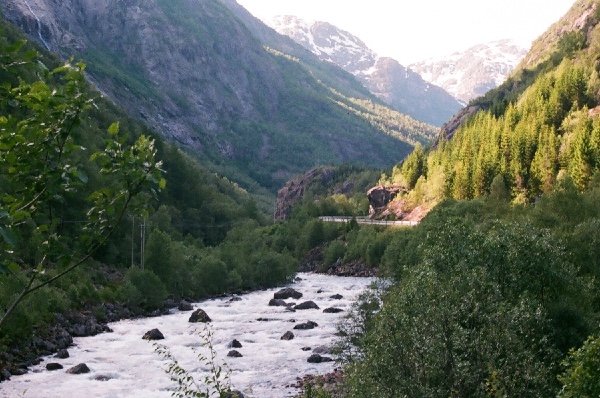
<point>368,221</point>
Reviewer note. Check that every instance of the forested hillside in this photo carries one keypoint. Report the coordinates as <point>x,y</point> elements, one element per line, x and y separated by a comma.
<point>538,128</point>
<point>495,293</point>
<point>251,107</point>
<point>97,210</point>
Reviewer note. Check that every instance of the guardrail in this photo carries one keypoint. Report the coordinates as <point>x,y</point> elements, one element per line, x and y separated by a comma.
<point>368,221</point>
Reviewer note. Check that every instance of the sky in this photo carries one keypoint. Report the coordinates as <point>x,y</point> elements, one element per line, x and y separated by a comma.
<point>415,30</point>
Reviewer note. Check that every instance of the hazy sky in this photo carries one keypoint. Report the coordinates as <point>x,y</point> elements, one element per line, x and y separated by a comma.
<point>413,30</point>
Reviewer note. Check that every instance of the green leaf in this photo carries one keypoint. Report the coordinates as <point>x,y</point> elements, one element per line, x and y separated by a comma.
<point>114,129</point>
<point>9,236</point>
<point>82,176</point>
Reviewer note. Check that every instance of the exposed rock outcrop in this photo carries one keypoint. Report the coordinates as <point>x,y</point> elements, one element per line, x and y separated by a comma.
<point>293,191</point>
<point>380,196</point>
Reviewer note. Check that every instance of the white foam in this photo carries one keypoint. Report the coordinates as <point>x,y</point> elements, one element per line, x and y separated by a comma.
<point>134,369</point>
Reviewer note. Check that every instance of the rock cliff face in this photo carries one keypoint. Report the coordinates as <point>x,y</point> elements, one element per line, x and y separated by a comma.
<point>293,191</point>
<point>398,86</point>
<point>201,74</point>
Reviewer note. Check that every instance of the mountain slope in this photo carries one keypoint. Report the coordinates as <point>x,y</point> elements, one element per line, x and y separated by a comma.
<point>538,130</point>
<point>471,73</point>
<point>403,89</point>
<point>199,76</point>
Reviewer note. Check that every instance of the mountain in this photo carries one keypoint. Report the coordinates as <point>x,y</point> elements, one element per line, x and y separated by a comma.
<point>196,73</point>
<point>398,86</point>
<point>538,130</point>
<point>472,73</point>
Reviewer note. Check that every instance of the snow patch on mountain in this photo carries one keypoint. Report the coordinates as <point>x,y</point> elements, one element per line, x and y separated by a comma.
<point>471,73</point>
<point>401,88</point>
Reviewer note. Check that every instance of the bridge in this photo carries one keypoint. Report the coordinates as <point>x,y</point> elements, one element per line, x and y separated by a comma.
<point>368,221</point>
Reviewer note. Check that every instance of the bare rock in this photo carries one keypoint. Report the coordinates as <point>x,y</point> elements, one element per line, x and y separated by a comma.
<point>53,366</point>
<point>332,310</point>
<point>184,306</point>
<point>316,358</point>
<point>79,369</point>
<point>62,354</point>
<point>307,305</point>
<point>153,334</point>
<point>199,316</point>
<point>306,326</point>
<point>234,344</point>
<point>287,293</point>
<point>277,303</point>
<point>234,354</point>
<point>287,336</point>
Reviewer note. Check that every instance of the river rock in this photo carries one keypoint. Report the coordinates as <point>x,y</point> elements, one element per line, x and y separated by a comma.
<point>234,299</point>
<point>316,358</point>
<point>153,334</point>
<point>322,350</point>
<point>234,344</point>
<point>234,354</point>
<point>79,369</point>
<point>287,293</point>
<point>307,305</point>
<point>184,306</point>
<point>234,394</point>
<point>62,354</point>
<point>277,303</point>
<point>332,310</point>
<point>199,316</point>
<point>337,297</point>
<point>287,336</point>
<point>53,366</point>
<point>306,326</point>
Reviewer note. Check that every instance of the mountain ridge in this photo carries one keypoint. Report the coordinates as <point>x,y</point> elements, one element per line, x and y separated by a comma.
<point>199,75</point>
<point>395,84</point>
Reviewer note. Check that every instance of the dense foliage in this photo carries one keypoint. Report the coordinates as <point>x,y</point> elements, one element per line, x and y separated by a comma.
<point>198,236</point>
<point>535,129</point>
<point>489,298</point>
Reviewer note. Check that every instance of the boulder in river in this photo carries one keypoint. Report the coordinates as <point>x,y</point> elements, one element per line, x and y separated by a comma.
<point>199,316</point>
<point>184,306</point>
<point>62,354</point>
<point>234,344</point>
<point>53,366</point>
<point>316,358</point>
<point>234,354</point>
<point>332,310</point>
<point>287,336</point>
<point>79,369</point>
<point>277,303</point>
<point>306,326</point>
<point>153,334</point>
<point>234,394</point>
<point>337,297</point>
<point>307,305</point>
<point>287,293</point>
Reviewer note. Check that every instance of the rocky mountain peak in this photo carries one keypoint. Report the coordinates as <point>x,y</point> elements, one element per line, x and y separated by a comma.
<point>471,73</point>
<point>399,87</point>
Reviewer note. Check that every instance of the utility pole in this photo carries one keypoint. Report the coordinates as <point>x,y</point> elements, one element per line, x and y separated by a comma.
<point>132,239</point>
<point>142,242</point>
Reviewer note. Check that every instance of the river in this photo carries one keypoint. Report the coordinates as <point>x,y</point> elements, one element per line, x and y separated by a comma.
<point>123,364</point>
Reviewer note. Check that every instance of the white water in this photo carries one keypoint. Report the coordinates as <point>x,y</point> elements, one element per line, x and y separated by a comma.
<point>39,24</point>
<point>268,364</point>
